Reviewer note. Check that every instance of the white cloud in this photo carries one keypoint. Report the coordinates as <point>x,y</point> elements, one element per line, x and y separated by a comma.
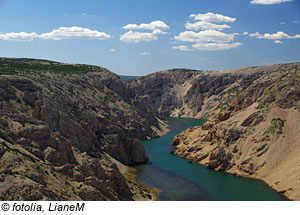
<point>282,23</point>
<point>205,26</point>
<point>57,34</point>
<point>277,41</point>
<point>149,26</point>
<point>145,54</point>
<point>158,31</point>
<point>296,21</point>
<point>216,46</point>
<point>182,48</point>
<point>245,33</point>
<point>136,37</point>
<point>112,50</point>
<point>74,32</point>
<point>210,38</point>
<point>87,15</point>
<point>205,36</point>
<point>276,36</point>
<point>20,36</point>
<point>211,17</point>
<point>256,34</point>
<point>268,2</point>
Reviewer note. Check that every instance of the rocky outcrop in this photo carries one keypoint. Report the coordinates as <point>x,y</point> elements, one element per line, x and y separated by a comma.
<point>191,93</point>
<point>252,131</point>
<point>64,122</point>
<point>63,127</point>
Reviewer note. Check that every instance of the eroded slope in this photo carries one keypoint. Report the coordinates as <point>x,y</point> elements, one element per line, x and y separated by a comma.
<point>60,127</point>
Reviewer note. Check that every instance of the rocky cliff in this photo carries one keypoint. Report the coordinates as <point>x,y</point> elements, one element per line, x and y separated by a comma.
<point>67,131</point>
<point>253,119</point>
<point>62,125</point>
<point>253,129</point>
<point>190,93</point>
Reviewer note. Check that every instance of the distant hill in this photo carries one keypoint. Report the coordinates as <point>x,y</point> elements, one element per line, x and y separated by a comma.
<point>127,77</point>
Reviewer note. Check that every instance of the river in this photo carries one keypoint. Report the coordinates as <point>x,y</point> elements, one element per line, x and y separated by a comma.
<point>180,180</point>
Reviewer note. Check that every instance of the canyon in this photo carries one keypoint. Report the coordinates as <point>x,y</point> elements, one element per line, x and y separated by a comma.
<point>68,131</point>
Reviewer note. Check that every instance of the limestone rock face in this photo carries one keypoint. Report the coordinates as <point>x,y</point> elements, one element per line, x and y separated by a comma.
<point>188,93</point>
<point>65,122</point>
<point>220,159</point>
<point>63,126</point>
<point>252,129</point>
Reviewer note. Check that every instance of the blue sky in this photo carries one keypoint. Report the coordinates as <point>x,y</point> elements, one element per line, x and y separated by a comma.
<point>140,37</point>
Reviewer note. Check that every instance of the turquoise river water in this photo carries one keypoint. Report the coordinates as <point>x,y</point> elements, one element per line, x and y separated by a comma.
<point>180,180</point>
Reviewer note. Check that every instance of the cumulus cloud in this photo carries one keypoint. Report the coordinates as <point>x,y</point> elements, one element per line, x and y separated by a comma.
<point>296,21</point>
<point>20,36</point>
<point>205,36</point>
<point>57,34</point>
<point>148,26</point>
<point>212,17</point>
<point>136,37</point>
<point>74,32</point>
<point>205,26</point>
<point>216,46</point>
<point>182,48</point>
<point>282,23</point>
<point>112,50</point>
<point>277,41</point>
<point>268,2</point>
<point>210,37</point>
<point>158,31</point>
<point>276,36</point>
<point>245,33</point>
<point>145,54</point>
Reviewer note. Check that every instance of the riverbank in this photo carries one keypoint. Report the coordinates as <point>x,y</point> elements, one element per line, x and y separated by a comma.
<point>140,191</point>
<point>222,148</point>
<point>180,180</point>
<point>235,174</point>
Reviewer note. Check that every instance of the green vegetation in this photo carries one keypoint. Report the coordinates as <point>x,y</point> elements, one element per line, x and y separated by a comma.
<point>223,106</point>
<point>129,176</point>
<point>17,151</point>
<point>234,90</point>
<point>21,66</point>
<point>231,123</point>
<point>277,119</point>
<point>109,98</point>
<point>260,106</point>
<point>276,127</point>
<point>53,173</point>
<point>226,97</point>
<point>297,73</point>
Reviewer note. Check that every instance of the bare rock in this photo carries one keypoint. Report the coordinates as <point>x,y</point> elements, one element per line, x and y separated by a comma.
<point>253,119</point>
<point>224,116</point>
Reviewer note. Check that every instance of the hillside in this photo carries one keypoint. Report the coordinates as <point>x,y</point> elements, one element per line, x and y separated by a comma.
<point>253,119</point>
<point>64,127</point>
<point>68,131</point>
